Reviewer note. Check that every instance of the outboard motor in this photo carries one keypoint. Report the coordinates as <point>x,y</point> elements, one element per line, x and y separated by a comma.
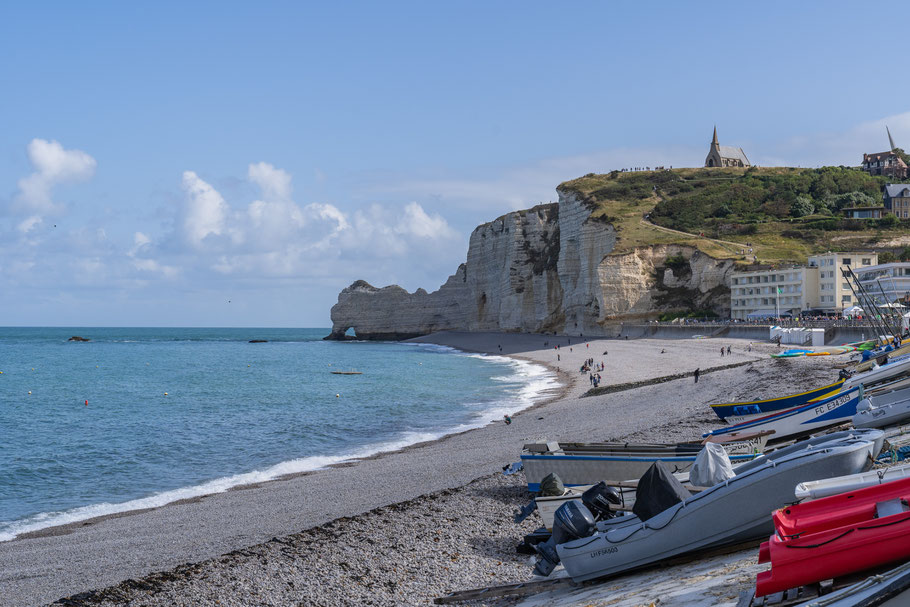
<point>598,499</point>
<point>571,522</point>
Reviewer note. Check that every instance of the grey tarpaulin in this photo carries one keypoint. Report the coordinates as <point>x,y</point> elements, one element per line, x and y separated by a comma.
<point>712,466</point>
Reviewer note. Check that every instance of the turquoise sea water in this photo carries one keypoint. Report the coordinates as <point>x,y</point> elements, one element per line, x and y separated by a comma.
<point>174,413</point>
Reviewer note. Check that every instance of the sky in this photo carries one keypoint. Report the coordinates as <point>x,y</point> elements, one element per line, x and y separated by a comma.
<point>233,164</point>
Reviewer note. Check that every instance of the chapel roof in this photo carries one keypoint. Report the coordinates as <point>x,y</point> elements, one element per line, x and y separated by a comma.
<point>728,151</point>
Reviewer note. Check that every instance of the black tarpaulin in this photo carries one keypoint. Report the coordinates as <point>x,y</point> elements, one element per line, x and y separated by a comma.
<point>657,490</point>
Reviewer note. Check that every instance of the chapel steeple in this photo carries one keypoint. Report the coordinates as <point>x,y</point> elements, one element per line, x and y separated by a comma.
<point>725,155</point>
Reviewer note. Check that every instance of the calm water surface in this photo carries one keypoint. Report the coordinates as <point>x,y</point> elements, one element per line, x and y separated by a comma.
<point>174,413</point>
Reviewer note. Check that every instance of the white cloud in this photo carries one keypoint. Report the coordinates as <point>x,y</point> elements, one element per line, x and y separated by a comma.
<point>275,183</point>
<point>415,221</point>
<point>29,223</point>
<point>844,147</point>
<point>274,236</point>
<point>521,187</point>
<point>143,244</point>
<point>204,212</point>
<point>52,165</point>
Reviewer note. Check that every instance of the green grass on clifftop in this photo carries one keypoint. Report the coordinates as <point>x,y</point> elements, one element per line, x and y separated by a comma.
<point>784,214</point>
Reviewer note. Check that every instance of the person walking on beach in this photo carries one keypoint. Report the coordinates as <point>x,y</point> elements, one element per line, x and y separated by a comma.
<point>697,373</point>
<point>721,350</point>
<point>729,351</point>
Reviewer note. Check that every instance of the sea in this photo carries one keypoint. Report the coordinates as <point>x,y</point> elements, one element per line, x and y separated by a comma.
<point>140,417</point>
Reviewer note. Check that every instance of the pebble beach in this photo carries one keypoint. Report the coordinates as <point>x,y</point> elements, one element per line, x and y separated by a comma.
<point>404,527</point>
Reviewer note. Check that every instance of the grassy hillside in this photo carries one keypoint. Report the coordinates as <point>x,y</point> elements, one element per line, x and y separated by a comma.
<point>784,214</point>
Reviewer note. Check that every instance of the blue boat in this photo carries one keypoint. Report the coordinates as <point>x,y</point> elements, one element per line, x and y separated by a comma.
<point>799,420</point>
<point>770,405</point>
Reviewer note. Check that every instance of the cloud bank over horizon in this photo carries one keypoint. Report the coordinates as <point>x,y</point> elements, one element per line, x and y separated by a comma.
<point>258,236</point>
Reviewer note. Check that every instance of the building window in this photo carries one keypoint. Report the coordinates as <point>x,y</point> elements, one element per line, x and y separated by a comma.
<point>845,298</point>
<point>846,261</point>
<point>845,285</point>
<point>867,261</point>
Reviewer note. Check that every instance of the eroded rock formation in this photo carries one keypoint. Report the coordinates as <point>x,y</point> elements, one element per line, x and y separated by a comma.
<point>545,269</point>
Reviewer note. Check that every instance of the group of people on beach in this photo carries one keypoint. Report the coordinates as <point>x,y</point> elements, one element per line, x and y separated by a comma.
<point>592,369</point>
<point>728,349</point>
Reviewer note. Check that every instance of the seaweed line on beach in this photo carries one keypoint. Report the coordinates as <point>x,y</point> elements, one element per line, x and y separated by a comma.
<point>658,380</point>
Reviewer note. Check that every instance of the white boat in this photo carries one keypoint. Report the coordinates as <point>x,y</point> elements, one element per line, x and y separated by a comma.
<point>799,420</point>
<point>733,511</point>
<point>588,463</point>
<point>890,370</point>
<point>883,410</point>
<point>812,490</point>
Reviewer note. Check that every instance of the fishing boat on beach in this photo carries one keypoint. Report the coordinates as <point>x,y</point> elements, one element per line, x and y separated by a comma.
<point>812,490</point>
<point>588,463</point>
<point>893,368</point>
<point>768,405</point>
<point>731,511</point>
<point>883,410</point>
<point>798,421</point>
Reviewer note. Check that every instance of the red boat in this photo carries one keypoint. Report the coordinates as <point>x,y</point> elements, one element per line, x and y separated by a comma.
<point>836,535</point>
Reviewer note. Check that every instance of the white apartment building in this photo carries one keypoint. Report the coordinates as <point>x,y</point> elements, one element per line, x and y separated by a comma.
<point>818,286</point>
<point>892,279</point>
<point>787,291</point>
<point>834,292</point>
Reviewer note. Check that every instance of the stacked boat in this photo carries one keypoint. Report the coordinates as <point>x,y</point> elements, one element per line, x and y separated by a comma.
<point>835,536</point>
<point>579,464</point>
<point>673,514</point>
<point>729,512</point>
<point>875,399</point>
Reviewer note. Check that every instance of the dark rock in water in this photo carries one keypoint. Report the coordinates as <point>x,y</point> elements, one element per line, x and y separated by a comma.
<point>77,338</point>
<point>259,341</point>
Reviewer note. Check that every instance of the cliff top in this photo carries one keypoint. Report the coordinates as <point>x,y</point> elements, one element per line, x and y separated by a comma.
<point>782,213</point>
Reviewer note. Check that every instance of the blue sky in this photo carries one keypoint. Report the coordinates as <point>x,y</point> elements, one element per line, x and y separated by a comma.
<point>237,164</point>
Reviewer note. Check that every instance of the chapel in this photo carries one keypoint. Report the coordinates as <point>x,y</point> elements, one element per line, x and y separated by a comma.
<point>725,155</point>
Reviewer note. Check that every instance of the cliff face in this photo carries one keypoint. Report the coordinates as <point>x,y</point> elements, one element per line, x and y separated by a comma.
<point>545,269</point>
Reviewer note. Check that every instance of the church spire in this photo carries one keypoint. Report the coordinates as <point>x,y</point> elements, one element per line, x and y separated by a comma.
<point>890,140</point>
<point>715,142</point>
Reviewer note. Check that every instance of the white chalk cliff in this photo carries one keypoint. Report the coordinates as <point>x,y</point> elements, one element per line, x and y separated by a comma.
<point>545,269</point>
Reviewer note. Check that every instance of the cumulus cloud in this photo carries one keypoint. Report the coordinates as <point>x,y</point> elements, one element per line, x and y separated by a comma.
<point>275,236</point>
<point>275,183</point>
<point>53,165</point>
<point>205,211</point>
<point>417,222</point>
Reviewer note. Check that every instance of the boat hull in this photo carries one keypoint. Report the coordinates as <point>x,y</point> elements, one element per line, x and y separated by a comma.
<point>800,420</point>
<point>813,490</point>
<point>588,469</point>
<point>884,410</point>
<point>835,536</point>
<point>758,407</point>
<point>730,512</point>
